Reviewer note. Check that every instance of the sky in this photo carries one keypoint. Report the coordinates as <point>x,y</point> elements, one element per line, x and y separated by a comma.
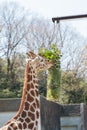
<point>56,8</point>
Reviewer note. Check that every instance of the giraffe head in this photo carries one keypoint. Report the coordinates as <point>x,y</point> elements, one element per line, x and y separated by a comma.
<point>39,62</point>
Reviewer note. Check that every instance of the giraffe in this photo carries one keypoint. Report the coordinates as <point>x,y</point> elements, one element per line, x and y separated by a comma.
<point>28,114</point>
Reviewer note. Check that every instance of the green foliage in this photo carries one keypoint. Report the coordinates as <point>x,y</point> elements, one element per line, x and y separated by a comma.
<point>54,74</point>
<point>74,88</point>
<point>52,54</point>
<point>7,94</point>
<point>11,83</point>
<point>53,84</point>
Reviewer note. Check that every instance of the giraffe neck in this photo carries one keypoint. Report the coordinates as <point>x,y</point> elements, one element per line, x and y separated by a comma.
<point>29,109</point>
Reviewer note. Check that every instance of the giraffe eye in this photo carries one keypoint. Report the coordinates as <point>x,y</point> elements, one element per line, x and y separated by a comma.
<point>41,60</point>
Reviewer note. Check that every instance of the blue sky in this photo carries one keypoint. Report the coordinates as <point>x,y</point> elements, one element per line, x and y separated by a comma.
<point>53,8</point>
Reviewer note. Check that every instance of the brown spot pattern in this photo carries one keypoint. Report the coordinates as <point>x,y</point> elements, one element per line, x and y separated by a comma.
<point>34,76</point>
<point>31,115</point>
<point>13,125</point>
<point>29,69</point>
<point>23,114</point>
<point>36,122</point>
<point>27,106</point>
<point>37,102</point>
<point>8,128</point>
<point>27,120</point>
<point>37,114</point>
<point>31,125</point>
<point>32,93</point>
<point>36,86</point>
<point>24,125</point>
<point>28,87</point>
<point>29,77</point>
<point>34,128</point>
<point>34,81</point>
<point>32,86</point>
<point>33,71</point>
<point>21,120</point>
<point>30,98</point>
<point>32,108</point>
<point>34,105</point>
<point>20,126</point>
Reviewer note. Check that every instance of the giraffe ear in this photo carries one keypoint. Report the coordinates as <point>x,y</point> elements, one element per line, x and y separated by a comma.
<point>31,54</point>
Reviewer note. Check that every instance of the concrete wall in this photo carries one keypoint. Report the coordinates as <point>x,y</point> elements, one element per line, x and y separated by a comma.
<point>84,115</point>
<point>9,104</point>
<point>73,117</point>
<point>71,123</point>
<point>53,115</point>
<point>50,115</point>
